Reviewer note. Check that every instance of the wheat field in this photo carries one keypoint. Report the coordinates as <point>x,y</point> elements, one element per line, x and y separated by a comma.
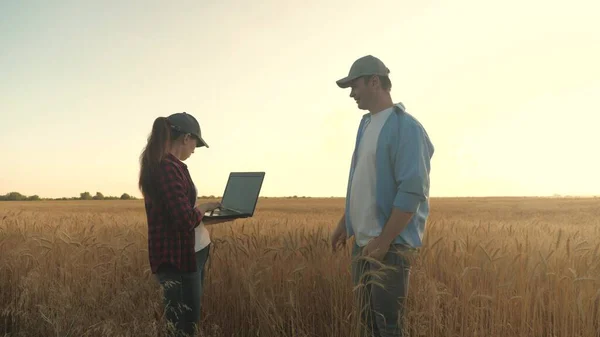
<point>489,267</point>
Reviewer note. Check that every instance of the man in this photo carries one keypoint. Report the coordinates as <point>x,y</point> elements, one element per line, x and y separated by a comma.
<point>387,197</point>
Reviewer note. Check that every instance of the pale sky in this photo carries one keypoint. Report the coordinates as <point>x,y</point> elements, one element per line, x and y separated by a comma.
<point>507,90</point>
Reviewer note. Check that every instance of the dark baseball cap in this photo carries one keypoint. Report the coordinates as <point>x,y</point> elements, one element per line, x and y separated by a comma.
<point>186,123</point>
<point>364,66</point>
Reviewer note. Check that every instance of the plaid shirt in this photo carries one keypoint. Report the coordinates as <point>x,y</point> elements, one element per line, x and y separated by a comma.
<point>172,220</point>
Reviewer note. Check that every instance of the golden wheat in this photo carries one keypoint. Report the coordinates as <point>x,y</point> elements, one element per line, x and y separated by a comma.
<point>489,267</point>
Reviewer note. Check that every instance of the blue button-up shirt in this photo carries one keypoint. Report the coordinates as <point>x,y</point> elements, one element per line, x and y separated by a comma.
<point>402,165</point>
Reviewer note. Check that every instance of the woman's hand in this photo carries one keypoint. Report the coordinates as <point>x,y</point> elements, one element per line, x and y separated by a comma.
<point>209,206</point>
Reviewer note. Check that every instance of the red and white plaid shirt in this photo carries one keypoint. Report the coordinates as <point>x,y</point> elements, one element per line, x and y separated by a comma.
<point>172,219</point>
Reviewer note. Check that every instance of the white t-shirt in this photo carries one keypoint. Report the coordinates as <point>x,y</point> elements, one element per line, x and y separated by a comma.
<point>363,209</point>
<point>202,237</point>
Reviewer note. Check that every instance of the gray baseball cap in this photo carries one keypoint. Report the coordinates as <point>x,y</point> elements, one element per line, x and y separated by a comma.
<point>186,123</point>
<point>365,66</point>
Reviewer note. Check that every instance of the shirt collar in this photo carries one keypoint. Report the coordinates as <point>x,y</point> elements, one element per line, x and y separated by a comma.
<point>170,157</point>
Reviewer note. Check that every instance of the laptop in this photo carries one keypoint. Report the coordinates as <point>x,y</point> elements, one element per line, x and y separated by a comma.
<point>240,196</point>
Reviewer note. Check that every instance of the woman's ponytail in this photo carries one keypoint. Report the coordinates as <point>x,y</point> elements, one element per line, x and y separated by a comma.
<point>155,151</point>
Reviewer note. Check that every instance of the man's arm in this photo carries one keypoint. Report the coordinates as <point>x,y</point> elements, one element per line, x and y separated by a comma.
<point>396,223</point>
<point>342,221</point>
<point>411,173</point>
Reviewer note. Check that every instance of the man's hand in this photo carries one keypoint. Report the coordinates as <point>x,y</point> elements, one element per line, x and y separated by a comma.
<point>377,248</point>
<point>338,237</point>
<point>209,206</point>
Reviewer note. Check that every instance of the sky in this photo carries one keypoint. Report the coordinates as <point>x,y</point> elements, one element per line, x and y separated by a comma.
<point>508,91</point>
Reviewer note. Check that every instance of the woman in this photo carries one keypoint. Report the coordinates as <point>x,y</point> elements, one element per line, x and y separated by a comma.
<point>178,242</point>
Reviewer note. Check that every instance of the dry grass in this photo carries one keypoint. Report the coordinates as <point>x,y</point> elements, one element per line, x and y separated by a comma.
<point>490,267</point>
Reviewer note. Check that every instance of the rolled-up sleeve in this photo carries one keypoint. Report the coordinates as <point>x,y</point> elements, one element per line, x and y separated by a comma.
<point>412,166</point>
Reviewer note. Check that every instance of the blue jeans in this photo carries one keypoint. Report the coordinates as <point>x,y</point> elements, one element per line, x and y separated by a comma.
<point>381,301</point>
<point>182,294</point>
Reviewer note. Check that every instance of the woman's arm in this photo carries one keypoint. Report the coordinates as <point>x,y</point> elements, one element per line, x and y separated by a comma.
<point>171,188</point>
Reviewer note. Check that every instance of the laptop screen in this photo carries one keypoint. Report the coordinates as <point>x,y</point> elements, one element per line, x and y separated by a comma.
<point>242,191</point>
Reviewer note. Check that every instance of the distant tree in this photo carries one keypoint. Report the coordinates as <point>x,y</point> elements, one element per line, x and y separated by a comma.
<point>15,196</point>
<point>99,196</point>
<point>34,197</point>
<point>125,196</point>
<point>85,196</point>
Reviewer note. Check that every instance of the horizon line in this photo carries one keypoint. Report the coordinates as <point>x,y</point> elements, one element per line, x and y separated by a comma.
<point>135,197</point>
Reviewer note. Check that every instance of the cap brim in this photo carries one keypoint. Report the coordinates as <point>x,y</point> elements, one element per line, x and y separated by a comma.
<point>202,143</point>
<point>346,81</point>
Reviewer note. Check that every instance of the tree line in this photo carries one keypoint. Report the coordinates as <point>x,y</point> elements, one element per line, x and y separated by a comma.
<point>16,196</point>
